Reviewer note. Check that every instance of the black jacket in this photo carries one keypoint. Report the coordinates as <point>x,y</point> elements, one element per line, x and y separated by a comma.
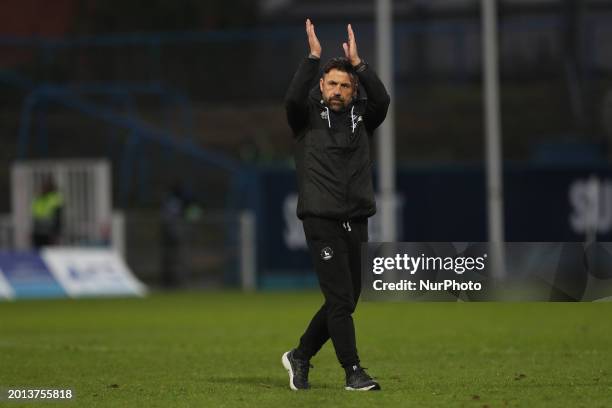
<point>332,150</point>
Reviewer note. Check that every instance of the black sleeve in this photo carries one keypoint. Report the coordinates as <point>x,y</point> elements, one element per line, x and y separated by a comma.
<point>378,98</point>
<point>296,100</point>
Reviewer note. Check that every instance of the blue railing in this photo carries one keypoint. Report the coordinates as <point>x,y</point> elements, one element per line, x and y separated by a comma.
<point>71,95</point>
<point>140,131</point>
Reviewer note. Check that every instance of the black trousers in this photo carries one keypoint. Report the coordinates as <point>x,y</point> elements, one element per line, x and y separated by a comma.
<point>335,249</point>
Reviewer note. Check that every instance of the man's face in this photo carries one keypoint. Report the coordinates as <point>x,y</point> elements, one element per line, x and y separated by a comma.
<point>337,89</point>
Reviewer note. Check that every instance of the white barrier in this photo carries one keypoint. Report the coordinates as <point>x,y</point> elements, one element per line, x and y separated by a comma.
<point>91,272</point>
<point>6,292</point>
<point>63,271</point>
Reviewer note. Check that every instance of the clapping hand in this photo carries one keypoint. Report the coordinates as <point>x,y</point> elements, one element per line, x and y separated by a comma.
<point>350,48</point>
<point>313,41</point>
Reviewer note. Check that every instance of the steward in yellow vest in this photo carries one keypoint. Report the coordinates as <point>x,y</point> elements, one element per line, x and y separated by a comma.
<point>47,216</point>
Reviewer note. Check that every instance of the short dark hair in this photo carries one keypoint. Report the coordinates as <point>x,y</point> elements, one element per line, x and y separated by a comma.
<point>341,64</point>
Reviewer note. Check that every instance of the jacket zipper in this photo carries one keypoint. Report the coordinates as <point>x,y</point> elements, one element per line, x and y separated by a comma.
<point>347,178</point>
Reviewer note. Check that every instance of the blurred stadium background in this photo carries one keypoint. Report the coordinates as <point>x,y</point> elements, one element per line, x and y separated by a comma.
<point>135,106</point>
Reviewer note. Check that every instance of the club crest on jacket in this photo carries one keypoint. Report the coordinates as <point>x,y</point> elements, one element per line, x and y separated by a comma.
<point>327,253</point>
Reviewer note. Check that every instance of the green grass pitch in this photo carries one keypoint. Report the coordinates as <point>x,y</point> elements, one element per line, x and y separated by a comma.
<point>223,349</point>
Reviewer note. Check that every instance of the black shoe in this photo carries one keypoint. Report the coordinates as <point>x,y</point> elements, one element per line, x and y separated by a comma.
<point>358,380</point>
<point>298,371</point>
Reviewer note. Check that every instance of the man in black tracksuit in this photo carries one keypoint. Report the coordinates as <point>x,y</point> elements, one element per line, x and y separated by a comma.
<point>332,124</point>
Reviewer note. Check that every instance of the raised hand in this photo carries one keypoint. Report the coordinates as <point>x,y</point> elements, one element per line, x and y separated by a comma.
<point>313,41</point>
<point>350,48</point>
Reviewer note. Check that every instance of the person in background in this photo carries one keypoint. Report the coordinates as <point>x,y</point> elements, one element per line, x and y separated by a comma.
<point>47,215</point>
<point>180,213</point>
